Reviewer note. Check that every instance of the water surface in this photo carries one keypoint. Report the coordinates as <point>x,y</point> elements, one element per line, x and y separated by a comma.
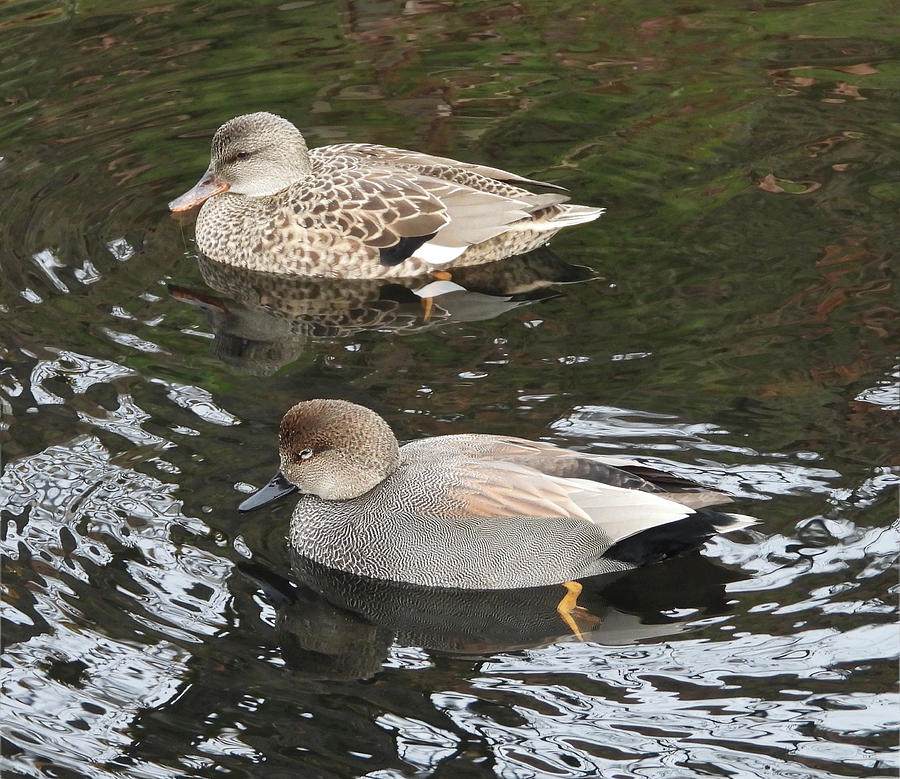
<point>735,324</point>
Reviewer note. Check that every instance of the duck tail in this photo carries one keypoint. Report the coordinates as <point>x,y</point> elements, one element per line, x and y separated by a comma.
<point>725,523</point>
<point>555,217</point>
<point>675,538</point>
<point>575,215</point>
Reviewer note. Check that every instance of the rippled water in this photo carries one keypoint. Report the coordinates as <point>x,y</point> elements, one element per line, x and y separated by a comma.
<point>731,317</point>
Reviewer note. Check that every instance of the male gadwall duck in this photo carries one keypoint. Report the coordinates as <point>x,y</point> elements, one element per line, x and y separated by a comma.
<point>357,210</point>
<point>474,511</point>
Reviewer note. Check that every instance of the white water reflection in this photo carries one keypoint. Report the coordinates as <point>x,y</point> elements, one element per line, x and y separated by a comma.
<point>613,428</point>
<point>419,743</point>
<point>49,264</point>
<point>886,393</point>
<point>633,705</point>
<point>600,422</point>
<point>199,401</point>
<point>82,725</point>
<point>132,341</point>
<point>80,372</point>
<point>120,249</point>
<point>72,510</point>
<point>777,560</point>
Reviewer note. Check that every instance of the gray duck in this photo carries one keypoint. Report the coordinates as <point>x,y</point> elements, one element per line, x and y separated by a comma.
<point>475,511</point>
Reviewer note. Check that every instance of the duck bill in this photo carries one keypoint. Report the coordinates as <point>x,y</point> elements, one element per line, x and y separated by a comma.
<point>199,299</point>
<point>277,488</point>
<point>202,191</point>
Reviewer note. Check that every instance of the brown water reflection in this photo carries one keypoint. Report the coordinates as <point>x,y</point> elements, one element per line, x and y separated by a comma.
<point>268,318</point>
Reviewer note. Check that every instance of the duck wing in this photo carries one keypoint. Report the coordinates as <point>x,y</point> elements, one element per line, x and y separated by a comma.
<point>635,527</point>
<point>383,205</point>
<point>613,470</point>
<point>499,489</point>
<point>509,472</point>
<point>468,173</point>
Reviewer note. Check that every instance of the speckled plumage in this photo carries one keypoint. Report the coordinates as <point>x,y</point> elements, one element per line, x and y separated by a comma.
<point>474,511</point>
<point>359,210</point>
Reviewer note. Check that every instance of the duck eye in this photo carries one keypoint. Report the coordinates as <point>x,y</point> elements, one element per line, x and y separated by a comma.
<point>305,454</point>
<point>242,155</point>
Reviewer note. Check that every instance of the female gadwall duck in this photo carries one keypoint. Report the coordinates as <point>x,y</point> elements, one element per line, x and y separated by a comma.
<point>357,210</point>
<point>473,511</point>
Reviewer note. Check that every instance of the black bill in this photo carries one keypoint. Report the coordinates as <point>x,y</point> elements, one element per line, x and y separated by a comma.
<point>277,488</point>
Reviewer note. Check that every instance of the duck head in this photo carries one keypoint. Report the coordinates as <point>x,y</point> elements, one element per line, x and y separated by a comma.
<point>255,155</point>
<point>332,449</point>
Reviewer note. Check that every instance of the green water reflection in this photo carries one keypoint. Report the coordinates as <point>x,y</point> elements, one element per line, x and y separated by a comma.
<point>737,322</point>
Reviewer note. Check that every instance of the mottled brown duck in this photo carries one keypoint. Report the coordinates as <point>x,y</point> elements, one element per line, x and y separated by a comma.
<point>358,210</point>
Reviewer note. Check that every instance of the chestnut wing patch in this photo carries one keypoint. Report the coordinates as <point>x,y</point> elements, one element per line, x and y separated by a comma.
<point>497,488</point>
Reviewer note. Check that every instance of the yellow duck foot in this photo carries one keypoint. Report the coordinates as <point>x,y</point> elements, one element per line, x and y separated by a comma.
<point>574,615</point>
<point>428,302</point>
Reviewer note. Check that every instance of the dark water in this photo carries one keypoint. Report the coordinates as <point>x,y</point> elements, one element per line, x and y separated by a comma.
<point>735,325</point>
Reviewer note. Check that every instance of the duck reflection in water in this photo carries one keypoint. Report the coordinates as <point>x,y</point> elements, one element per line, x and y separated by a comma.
<point>334,624</point>
<point>266,318</point>
<point>474,511</point>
